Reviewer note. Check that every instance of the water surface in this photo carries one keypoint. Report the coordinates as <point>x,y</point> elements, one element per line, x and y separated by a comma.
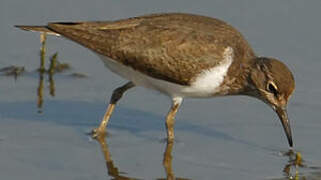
<point>221,138</point>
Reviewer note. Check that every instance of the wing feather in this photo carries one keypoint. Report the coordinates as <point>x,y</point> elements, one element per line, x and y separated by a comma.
<point>172,47</point>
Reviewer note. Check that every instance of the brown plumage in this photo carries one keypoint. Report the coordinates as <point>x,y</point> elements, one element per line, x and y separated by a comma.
<point>171,47</point>
<point>177,47</point>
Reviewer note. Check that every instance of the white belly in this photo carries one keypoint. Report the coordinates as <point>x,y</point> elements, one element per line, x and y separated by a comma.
<point>206,83</point>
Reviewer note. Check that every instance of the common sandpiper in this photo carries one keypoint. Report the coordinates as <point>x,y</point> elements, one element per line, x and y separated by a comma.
<point>181,56</point>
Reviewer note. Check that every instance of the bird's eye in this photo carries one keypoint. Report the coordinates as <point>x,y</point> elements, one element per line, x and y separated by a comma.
<point>272,88</point>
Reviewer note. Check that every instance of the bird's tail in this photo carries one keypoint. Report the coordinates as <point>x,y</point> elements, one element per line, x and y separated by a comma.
<point>43,29</point>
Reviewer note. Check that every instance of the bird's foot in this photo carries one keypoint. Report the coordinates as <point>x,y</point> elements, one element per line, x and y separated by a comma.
<point>98,133</point>
<point>168,140</point>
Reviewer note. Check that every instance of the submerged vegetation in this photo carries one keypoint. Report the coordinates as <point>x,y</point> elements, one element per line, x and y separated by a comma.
<point>12,71</point>
<point>55,66</point>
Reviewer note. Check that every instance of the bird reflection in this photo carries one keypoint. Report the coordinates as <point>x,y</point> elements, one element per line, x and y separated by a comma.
<point>167,160</point>
<point>111,168</point>
<point>114,172</point>
<point>167,163</point>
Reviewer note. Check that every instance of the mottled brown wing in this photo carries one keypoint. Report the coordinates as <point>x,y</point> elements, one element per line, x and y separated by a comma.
<point>172,47</point>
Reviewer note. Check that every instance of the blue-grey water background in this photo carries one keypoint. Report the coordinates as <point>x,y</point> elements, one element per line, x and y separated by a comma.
<point>219,138</point>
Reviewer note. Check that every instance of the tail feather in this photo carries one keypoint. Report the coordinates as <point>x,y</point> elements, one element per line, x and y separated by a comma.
<point>43,29</point>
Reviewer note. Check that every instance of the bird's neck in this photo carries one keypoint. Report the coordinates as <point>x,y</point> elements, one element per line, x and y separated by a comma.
<point>237,81</point>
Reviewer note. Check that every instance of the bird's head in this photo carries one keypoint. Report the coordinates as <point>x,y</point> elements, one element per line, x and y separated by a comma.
<point>273,83</point>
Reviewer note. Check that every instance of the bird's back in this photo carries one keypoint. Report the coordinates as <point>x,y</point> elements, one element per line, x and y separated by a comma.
<point>172,47</point>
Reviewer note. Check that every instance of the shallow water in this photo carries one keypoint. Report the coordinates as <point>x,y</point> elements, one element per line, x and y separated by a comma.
<point>221,138</point>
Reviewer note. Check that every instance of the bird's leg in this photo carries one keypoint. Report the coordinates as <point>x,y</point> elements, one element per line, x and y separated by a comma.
<point>117,94</point>
<point>167,161</point>
<point>170,119</point>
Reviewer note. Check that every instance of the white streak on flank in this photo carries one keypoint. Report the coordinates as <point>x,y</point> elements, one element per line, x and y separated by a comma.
<point>206,83</point>
<point>209,80</point>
